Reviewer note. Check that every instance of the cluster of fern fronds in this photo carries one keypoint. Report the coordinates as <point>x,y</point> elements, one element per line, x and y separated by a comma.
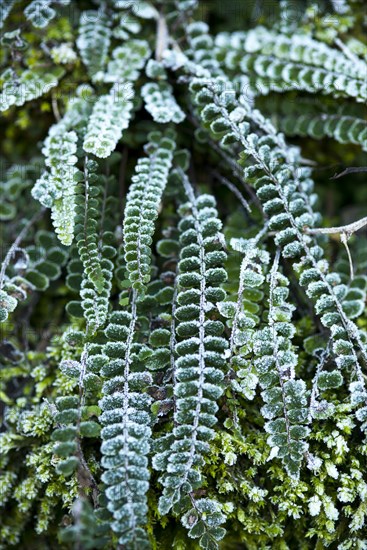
<point>183,336</point>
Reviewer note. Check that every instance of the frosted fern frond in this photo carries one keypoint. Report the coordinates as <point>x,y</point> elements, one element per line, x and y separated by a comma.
<point>243,314</point>
<point>305,119</point>
<point>30,84</point>
<point>285,398</point>
<point>201,48</point>
<point>203,522</point>
<point>71,426</point>
<point>87,206</point>
<point>200,358</point>
<point>91,268</point>
<point>127,61</point>
<point>343,129</point>
<point>298,62</point>
<point>55,188</point>
<point>161,104</point>
<point>94,40</point>
<point>126,431</point>
<point>143,200</point>
<point>110,117</point>
<point>279,62</point>
<point>93,302</point>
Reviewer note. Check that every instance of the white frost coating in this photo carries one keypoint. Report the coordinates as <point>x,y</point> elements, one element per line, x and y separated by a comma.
<point>94,40</point>
<point>111,115</point>
<point>18,89</point>
<point>314,505</point>
<point>330,510</point>
<point>161,104</point>
<point>127,61</point>
<point>56,187</point>
<point>63,53</point>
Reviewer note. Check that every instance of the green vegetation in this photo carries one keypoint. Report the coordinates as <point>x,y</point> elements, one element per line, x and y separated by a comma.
<point>183,344</point>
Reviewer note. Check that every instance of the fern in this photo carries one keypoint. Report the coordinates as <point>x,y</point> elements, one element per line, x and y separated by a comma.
<point>280,63</point>
<point>110,117</point>
<point>127,61</point>
<point>94,40</point>
<point>199,364</point>
<point>126,431</point>
<point>86,228</point>
<point>181,357</point>
<point>285,397</point>
<point>17,88</point>
<point>306,119</point>
<point>243,314</point>
<point>40,12</point>
<point>142,205</point>
<point>160,103</point>
<point>289,215</point>
<point>55,188</point>
<point>93,279</point>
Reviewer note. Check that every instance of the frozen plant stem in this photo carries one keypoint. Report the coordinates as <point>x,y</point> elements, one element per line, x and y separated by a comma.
<point>347,230</point>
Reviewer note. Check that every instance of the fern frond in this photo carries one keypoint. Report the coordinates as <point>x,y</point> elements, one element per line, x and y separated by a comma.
<point>55,188</point>
<point>285,397</point>
<point>41,12</point>
<point>86,226</point>
<point>161,104</point>
<point>200,360</point>
<point>127,61</point>
<point>94,40</point>
<point>142,204</point>
<point>110,117</point>
<point>95,299</point>
<point>243,314</point>
<point>71,427</point>
<point>126,432</point>
<point>289,213</point>
<point>30,84</point>
<point>298,62</point>
<point>344,129</point>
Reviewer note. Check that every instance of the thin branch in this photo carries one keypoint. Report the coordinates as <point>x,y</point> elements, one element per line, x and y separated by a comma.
<point>344,240</point>
<point>162,37</point>
<point>346,230</point>
<point>350,170</point>
<point>55,108</point>
<point>234,190</point>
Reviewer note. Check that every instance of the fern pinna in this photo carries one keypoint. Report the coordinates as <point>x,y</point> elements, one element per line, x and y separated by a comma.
<point>183,335</point>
